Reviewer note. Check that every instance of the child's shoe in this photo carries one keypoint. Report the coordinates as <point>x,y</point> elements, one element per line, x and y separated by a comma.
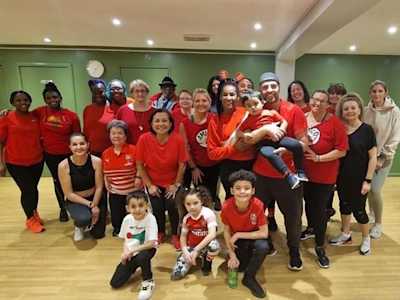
<point>302,176</point>
<point>33,225</point>
<point>293,181</point>
<point>175,241</point>
<point>146,289</point>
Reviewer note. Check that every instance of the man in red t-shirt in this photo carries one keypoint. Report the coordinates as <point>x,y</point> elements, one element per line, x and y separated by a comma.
<point>271,186</point>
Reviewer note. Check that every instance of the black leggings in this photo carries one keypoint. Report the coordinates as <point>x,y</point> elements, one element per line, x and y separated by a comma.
<point>124,271</point>
<point>227,167</point>
<point>316,196</point>
<point>117,210</point>
<point>52,162</point>
<point>352,201</point>
<point>251,255</point>
<point>27,179</point>
<point>159,206</point>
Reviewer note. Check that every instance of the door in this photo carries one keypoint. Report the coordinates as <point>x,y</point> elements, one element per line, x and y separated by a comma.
<point>152,76</point>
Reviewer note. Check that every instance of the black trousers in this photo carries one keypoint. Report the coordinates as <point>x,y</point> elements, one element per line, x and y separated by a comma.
<point>52,162</point>
<point>316,197</point>
<point>27,179</point>
<point>124,272</point>
<point>352,201</point>
<point>117,209</point>
<point>159,206</point>
<point>251,255</point>
<point>290,203</point>
<point>227,167</point>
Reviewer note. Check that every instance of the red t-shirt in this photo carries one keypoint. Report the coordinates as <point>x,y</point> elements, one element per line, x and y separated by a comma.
<point>197,139</point>
<point>197,229</point>
<point>220,129</point>
<point>256,121</point>
<point>178,117</point>
<point>325,137</point>
<point>247,221</point>
<point>21,136</point>
<point>55,127</point>
<point>120,170</point>
<point>297,127</point>
<point>161,160</point>
<point>138,121</point>
<point>95,128</point>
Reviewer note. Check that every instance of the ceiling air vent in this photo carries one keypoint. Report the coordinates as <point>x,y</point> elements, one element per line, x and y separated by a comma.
<point>196,37</point>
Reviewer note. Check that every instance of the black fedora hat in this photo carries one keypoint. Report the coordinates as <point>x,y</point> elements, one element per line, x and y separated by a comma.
<point>167,81</point>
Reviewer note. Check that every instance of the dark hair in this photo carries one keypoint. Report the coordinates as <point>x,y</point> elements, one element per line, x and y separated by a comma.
<point>139,194</point>
<point>51,87</point>
<point>242,175</point>
<point>118,124</point>
<point>223,83</point>
<point>322,92</point>
<point>337,88</point>
<point>14,94</point>
<point>93,82</point>
<point>214,97</point>
<point>162,110</point>
<point>247,78</point>
<point>75,134</point>
<point>201,192</point>
<point>305,91</point>
<point>249,95</point>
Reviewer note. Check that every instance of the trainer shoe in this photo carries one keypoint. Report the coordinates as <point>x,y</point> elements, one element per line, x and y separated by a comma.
<point>365,247</point>
<point>295,262</point>
<point>322,259</point>
<point>160,237</point>
<point>255,288</point>
<point>63,215</point>
<point>307,234</point>
<point>272,225</point>
<point>79,234</point>
<point>146,289</point>
<point>293,181</point>
<point>36,215</point>
<point>341,239</point>
<point>33,225</point>
<point>376,231</point>
<point>302,176</point>
<point>175,241</point>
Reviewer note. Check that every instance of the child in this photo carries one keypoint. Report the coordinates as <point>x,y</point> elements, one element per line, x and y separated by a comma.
<point>199,230</point>
<point>245,230</point>
<point>269,149</point>
<point>139,229</point>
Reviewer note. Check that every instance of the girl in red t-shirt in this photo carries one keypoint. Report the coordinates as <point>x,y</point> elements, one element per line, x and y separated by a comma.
<point>161,157</point>
<point>23,155</point>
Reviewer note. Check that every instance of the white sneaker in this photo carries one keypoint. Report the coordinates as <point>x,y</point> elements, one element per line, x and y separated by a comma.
<point>376,231</point>
<point>365,247</point>
<point>146,289</point>
<point>341,239</point>
<point>78,234</point>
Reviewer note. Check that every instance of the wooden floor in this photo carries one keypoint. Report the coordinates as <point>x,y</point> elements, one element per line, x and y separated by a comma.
<point>51,266</point>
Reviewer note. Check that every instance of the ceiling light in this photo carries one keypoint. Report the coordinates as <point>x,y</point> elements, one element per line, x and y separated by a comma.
<point>253,45</point>
<point>257,26</point>
<point>353,48</point>
<point>150,42</point>
<point>116,22</point>
<point>47,40</point>
<point>392,29</point>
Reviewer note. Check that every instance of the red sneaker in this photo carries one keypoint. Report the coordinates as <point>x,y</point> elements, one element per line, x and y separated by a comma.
<point>37,217</point>
<point>33,225</point>
<point>175,241</point>
<point>161,237</point>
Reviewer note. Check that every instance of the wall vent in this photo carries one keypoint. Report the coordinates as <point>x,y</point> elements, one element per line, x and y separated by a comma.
<point>196,37</point>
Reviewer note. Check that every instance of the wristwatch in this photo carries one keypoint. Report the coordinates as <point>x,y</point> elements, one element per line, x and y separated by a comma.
<point>367,180</point>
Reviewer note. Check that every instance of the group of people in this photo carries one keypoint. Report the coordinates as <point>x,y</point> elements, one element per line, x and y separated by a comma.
<point>138,157</point>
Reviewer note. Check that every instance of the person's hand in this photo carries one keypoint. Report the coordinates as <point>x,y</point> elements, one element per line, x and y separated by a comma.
<point>366,187</point>
<point>138,183</point>
<point>248,138</point>
<point>154,190</point>
<point>125,256</point>
<point>233,240</point>
<point>2,169</point>
<point>275,133</point>
<point>186,255</point>
<point>197,175</point>
<point>95,214</point>
<point>379,164</point>
<point>171,191</point>
<point>240,145</point>
<point>233,261</point>
<point>311,155</point>
<point>194,254</point>
<point>4,112</point>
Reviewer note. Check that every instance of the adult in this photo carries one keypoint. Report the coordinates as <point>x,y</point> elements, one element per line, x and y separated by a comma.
<point>161,157</point>
<point>23,155</point>
<point>271,186</point>
<point>136,114</point>
<point>222,143</point>
<point>356,171</point>
<point>203,170</point>
<point>94,123</point>
<point>383,115</point>
<point>56,126</point>
<point>185,108</point>
<point>116,93</point>
<point>166,99</point>
<point>119,167</point>
<point>327,144</point>
<point>81,178</point>
<point>212,89</point>
<point>298,94</point>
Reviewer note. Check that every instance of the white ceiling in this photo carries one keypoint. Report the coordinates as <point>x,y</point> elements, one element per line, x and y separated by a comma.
<point>228,22</point>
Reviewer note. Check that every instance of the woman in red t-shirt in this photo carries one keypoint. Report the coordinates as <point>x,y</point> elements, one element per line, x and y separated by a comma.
<point>116,94</point>
<point>56,126</point>
<point>327,143</point>
<point>161,157</point>
<point>184,109</point>
<point>23,155</point>
<point>202,170</point>
<point>298,94</point>
<point>137,114</point>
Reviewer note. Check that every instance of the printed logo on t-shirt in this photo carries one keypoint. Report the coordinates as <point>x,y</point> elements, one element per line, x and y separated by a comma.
<point>201,138</point>
<point>313,135</point>
<point>56,121</point>
<point>253,219</point>
<point>140,236</point>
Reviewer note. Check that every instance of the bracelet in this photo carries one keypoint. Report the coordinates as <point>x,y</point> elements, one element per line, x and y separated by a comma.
<point>137,177</point>
<point>318,158</point>
<point>367,180</point>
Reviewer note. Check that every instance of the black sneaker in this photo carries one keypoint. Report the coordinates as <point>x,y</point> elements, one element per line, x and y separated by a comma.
<point>63,215</point>
<point>255,288</point>
<point>293,181</point>
<point>272,251</point>
<point>295,262</point>
<point>206,267</point>
<point>302,176</point>
<point>272,226</point>
<point>323,260</point>
<point>307,234</point>
<point>115,232</point>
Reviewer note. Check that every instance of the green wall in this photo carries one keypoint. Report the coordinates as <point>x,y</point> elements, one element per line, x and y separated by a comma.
<point>356,72</point>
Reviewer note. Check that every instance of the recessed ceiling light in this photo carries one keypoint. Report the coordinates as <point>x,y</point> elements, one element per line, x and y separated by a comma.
<point>353,48</point>
<point>257,26</point>
<point>150,42</point>
<point>392,29</point>
<point>253,45</point>
<point>116,22</point>
<point>47,40</point>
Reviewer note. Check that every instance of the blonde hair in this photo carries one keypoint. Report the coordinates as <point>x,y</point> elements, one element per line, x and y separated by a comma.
<point>137,83</point>
<point>201,91</point>
<point>378,82</point>
<point>347,98</point>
